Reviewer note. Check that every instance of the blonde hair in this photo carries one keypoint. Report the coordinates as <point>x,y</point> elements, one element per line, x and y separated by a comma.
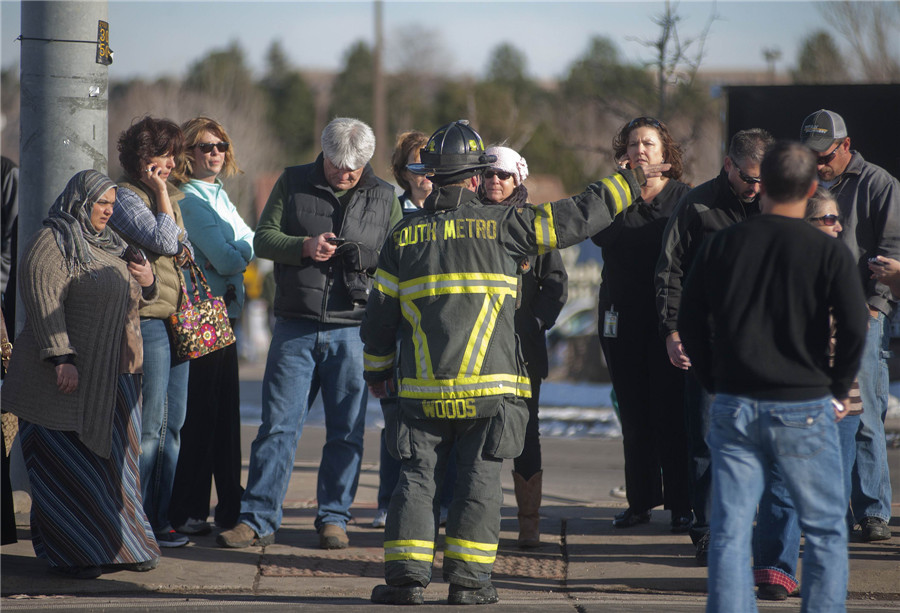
<point>193,129</point>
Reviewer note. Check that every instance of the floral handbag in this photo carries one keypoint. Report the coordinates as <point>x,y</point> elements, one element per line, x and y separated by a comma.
<point>200,327</point>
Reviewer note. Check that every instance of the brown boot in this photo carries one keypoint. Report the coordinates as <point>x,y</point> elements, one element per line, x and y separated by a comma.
<point>528,499</point>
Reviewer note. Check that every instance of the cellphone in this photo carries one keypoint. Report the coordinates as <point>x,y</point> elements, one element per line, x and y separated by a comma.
<point>876,261</point>
<point>336,240</point>
<point>133,254</point>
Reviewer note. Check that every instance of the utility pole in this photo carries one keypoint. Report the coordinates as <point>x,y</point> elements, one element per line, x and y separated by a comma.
<point>63,118</point>
<point>64,100</point>
<point>379,105</point>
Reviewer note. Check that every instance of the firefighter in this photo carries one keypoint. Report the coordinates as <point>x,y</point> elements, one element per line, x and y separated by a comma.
<point>446,281</point>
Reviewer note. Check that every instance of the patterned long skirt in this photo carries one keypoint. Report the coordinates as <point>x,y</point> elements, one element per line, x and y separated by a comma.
<point>87,510</point>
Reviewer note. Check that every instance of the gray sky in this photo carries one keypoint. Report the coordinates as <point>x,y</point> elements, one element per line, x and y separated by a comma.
<point>152,39</point>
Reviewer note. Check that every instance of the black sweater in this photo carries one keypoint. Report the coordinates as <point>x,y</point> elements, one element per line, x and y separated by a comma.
<point>754,313</point>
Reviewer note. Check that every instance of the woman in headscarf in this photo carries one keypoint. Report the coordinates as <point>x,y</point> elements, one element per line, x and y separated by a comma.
<point>542,294</point>
<point>74,381</point>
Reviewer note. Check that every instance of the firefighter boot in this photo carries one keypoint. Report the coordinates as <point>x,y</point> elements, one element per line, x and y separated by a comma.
<point>528,499</point>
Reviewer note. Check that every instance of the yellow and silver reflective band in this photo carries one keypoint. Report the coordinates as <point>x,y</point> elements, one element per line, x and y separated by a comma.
<point>409,550</point>
<point>544,228</point>
<point>620,190</point>
<point>470,551</point>
<point>378,363</point>
<point>386,283</point>
<point>480,337</point>
<point>466,387</point>
<point>420,342</point>
<point>458,283</point>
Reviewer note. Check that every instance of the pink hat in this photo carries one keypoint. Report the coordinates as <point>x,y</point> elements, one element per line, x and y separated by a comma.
<point>508,160</point>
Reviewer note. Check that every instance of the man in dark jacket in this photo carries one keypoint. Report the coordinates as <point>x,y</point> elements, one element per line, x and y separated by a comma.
<point>323,226</point>
<point>729,198</point>
<point>869,201</point>
<point>447,282</point>
<point>755,319</point>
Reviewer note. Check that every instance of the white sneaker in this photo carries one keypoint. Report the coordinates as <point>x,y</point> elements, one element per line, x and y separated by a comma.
<point>380,518</point>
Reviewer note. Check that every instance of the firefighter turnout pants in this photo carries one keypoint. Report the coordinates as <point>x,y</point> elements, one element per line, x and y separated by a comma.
<point>473,524</point>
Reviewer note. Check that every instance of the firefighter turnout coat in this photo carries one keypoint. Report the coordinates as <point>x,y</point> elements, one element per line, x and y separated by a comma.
<point>446,288</point>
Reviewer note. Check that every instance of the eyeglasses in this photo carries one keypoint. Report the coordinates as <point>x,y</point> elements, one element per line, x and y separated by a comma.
<point>824,159</point>
<point>208,147</point>
<point>827,220</point>
<point>747,178</point>
<point>490,174</point>
<point>643,121</point>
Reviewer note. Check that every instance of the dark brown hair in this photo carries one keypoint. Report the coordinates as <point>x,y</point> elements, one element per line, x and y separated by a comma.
<point>407,142</point>
<point>672,153</point>
<point>148,138</point>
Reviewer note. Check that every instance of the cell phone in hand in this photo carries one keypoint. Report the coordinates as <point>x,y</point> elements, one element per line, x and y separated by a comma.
<point>336,240</point>
<point>133,254</point>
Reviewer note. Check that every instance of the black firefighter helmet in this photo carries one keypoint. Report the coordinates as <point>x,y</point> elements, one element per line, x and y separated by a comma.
<point>453,153</point>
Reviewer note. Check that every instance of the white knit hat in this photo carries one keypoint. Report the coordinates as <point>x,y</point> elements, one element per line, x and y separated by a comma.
<point>508,160</point>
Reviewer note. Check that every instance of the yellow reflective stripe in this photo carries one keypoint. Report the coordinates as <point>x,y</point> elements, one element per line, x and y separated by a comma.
<point>386,283</point>
<point>422,557</point>
<point>470,551</point>
<point>620,191</point>
<point>544,228</point>
<point>378,362</point>
<point>409,550</point>
<point>420,343</point>
<point>458,283</point>
<point>480,337</point>
<point>466,387</point>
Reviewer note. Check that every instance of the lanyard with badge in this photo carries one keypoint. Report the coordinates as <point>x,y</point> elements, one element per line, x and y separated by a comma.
<point>610,322</point>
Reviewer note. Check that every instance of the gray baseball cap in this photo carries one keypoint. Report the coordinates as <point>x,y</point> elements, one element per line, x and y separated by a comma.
<point>821,129</point>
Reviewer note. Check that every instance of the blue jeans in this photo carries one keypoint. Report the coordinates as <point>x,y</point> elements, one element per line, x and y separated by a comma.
<point>871,496</point>
<point>305,357</point>
<point>776,538</point>
<point>747,438</point>
<point>164,390</point>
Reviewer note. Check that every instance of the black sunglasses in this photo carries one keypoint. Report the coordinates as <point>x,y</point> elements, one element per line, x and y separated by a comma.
<point>642,121</point>
<point>208,147</point>
<point>747,178</point>
<point>490,174</point>
<point>827,220</point>
<point>824,159</point>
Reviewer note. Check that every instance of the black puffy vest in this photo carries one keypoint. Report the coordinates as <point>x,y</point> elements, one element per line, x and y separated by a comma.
<point>316,290</point>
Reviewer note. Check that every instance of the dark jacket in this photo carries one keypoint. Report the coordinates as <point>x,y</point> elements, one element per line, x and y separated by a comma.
<point>303,204</point>
<point>543,294</point>
<point>705,209</point>
<point>869,201</point>
<point>447,281</point>
<point>630,248</point>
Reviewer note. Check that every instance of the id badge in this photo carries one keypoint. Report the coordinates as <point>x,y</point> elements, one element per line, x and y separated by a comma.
<point>610,324</point>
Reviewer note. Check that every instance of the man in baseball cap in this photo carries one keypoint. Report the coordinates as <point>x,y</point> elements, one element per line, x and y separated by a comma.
<point>869,201</point>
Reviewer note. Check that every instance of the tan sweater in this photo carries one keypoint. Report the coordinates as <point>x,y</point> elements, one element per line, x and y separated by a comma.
<point>91,318</point>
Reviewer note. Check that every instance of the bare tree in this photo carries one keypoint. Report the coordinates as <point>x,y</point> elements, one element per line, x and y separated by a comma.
<point>871,30</point>
<point>677,59</point>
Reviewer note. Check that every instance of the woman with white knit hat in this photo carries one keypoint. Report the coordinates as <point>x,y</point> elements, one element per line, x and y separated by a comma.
<point>542,295</point>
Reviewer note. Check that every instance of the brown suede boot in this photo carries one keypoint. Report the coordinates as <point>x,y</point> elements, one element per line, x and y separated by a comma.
<point>528,499</point>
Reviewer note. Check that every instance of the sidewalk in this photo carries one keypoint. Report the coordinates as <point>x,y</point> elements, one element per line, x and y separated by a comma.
<point>584,565</point>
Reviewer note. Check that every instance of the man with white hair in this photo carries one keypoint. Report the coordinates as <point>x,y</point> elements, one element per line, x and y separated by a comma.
<point>323,226</point>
